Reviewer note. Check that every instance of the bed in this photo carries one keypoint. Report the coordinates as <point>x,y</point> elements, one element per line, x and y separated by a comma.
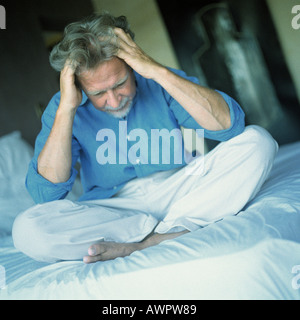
<point>253,255</point>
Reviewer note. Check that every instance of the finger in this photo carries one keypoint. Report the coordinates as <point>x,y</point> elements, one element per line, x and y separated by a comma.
<point>124,36</point>
<point>127,57</point>
<point>122,54</point>
<point>125,52</point>
<point>124,45</point>
<point>67,75</point>
<point>70,66</point>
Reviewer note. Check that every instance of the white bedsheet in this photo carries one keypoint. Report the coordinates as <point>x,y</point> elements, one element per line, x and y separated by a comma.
<point>254,255</point>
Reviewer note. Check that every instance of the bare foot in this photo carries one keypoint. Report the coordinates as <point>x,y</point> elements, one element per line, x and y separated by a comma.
<point>110,250</point>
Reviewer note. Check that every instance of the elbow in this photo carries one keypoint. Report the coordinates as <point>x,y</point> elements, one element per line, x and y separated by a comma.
<point>227,122</point>
<point>226,116</point>
<point>223,122</point>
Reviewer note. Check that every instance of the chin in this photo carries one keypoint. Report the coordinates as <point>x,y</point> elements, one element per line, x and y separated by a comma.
<point>121,113</point>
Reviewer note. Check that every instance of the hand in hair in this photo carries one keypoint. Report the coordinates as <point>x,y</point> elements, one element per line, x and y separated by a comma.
<point>135,57</point>
<point>71,95</point>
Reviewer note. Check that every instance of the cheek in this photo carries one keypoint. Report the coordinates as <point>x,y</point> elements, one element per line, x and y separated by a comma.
<point>130,90</point>
<point>125,92</point>
<point>98,103</point>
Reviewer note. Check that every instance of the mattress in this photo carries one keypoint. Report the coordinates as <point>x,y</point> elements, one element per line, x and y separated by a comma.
<point>252,255</point>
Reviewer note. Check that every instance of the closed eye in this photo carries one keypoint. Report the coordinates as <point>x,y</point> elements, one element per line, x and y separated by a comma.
<point>117,86</point>
<point>98,94</point>
<point>120,85</point>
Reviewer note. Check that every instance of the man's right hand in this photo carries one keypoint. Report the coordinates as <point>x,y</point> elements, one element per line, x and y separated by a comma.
<point>71,95</point>
<point>55,159</point>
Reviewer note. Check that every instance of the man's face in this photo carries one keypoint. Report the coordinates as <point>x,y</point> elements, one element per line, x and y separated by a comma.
<point>110,87</point>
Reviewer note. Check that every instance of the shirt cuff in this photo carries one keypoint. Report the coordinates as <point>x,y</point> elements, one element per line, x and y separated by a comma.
<point>237,117</point>
<point>43,190</point>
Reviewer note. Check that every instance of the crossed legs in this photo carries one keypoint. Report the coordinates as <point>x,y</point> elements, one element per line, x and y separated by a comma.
<point>152,209</point>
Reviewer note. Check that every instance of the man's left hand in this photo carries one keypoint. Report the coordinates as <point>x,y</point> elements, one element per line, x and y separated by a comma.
<point>134,56</point>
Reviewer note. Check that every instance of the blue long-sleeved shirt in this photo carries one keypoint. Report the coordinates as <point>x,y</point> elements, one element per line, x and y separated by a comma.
<point>113,151</point>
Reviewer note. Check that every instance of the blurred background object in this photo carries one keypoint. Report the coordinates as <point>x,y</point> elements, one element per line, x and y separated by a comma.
<point>233,46</point>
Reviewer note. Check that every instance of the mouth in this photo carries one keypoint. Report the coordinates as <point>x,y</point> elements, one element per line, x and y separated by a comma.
<point>122,110</point>
<point>121,106</point>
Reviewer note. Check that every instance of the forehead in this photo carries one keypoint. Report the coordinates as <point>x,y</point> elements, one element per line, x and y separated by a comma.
<point>104,75</point>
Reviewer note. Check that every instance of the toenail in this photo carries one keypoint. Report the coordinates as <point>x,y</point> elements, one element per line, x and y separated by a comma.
<point>92,251</point>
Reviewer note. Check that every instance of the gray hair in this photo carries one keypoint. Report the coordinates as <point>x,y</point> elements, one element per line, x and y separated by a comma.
<point>88,42</point>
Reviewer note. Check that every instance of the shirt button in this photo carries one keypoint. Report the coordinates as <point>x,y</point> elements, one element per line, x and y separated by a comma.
<point>115,187</point>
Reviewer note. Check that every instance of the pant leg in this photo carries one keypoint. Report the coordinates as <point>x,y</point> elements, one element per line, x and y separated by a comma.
<point>64,230</point>
<point>218,185</point>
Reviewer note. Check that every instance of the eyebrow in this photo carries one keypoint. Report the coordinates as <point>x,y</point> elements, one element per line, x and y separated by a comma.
<point>119,83</point>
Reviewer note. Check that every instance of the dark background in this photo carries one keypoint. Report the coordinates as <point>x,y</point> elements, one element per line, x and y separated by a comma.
<point>27,82</point>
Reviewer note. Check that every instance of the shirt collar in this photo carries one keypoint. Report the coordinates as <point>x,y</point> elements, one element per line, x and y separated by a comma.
<point>84,98</point>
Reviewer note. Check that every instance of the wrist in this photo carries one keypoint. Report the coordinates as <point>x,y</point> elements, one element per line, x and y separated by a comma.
<point>68,105</point>
<point>160,73</point>
<point>66,110</point>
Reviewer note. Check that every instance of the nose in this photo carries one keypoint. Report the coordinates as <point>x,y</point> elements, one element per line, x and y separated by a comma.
<point>112,99</point>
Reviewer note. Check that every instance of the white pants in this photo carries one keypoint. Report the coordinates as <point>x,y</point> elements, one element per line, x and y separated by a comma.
<point>208,189</point>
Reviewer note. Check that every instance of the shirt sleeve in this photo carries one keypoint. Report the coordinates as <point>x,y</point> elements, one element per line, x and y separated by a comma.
<point>41,189</point>
<point>185,120</point>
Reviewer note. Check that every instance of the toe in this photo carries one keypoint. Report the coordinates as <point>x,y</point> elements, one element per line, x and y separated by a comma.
<point>96,249</point>
<point>92,259</point>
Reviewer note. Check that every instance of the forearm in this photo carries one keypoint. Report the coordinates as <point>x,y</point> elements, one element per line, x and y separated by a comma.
<point>55,159</point>
<point>205,105</point>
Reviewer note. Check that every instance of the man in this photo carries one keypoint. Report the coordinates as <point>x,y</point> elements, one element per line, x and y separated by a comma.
<point>113,97</point>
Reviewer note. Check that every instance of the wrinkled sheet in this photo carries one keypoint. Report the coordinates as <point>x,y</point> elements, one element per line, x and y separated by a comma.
<point>253,255</point>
